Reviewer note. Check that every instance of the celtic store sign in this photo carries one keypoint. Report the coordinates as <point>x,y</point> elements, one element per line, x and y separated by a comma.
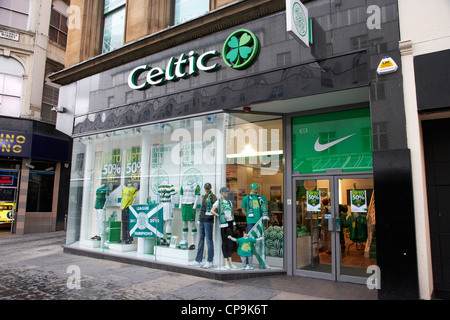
<point>298,23</point>
<point>238,52</point>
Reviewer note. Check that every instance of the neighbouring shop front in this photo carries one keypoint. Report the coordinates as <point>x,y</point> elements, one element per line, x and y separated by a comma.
<point>433,99</point>
<point>34,173</point>
<point>298,137</point>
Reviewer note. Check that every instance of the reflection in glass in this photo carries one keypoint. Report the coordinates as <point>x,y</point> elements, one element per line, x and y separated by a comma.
<point>160,171</point>
<point>186,10</point>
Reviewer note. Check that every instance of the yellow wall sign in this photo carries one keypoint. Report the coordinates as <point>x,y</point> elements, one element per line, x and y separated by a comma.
<point>387,65</point>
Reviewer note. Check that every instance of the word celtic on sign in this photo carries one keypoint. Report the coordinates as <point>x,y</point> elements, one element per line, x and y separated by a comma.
<point>238,52</point>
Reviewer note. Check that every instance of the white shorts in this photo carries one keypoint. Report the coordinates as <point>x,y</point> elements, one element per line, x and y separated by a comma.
<point>167,211</point>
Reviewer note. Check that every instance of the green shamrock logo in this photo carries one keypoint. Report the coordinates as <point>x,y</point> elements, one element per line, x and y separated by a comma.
<point>240,49</point>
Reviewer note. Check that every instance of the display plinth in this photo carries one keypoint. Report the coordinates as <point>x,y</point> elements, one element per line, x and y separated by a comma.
<point>119,247</point>
<point>146,245</point>
<point>90,243</point>
<point>174,255</point>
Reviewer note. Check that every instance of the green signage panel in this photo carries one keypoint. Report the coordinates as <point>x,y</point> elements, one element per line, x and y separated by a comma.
<point>359,200</point>
<point>331,141</point>
<point>112,169</point>
<point>146,221</point>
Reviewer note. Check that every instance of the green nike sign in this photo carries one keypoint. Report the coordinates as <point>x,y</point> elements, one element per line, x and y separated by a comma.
<point>330,141</point>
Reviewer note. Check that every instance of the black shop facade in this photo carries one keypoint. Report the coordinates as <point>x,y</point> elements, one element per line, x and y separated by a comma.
<point>296,139</point>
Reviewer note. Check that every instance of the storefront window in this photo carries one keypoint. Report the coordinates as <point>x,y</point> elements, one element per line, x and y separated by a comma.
<point>40,191</point>
<point>254,155</point>
<point>173,191</point>
<point>187,9</point>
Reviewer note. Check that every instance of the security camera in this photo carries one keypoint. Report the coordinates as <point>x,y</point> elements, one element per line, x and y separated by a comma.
<point>58,109</point>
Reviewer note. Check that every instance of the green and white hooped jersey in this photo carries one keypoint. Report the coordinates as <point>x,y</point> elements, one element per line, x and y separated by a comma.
<point>165,192</point>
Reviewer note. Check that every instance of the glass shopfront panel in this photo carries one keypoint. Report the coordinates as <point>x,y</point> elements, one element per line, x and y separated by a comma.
<point>178,192</point>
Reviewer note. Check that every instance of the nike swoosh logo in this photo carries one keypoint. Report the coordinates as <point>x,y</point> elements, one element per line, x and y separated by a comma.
<point>321,147</point>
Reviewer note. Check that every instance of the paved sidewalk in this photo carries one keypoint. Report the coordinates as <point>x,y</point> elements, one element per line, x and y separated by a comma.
<point>35,267</point>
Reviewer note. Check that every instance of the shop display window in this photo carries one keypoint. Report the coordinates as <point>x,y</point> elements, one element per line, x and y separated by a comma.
<point>156,191</point>
<point>41,183</point>
<point>40,191</point>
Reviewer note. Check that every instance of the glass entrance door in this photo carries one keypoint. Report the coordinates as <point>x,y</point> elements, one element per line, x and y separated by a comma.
<point>314,248</point>
<point>355,227</point>
<point>335,227</point>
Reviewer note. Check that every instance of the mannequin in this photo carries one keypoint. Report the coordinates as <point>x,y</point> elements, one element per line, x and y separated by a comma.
<point>254,206</point>
<point>206,223</point>
<point>128,195</point>
<point>223,209</point>
<point>165,194</point>
<point>100,213</point>
<point>245,245</point>
<point>189,195</point>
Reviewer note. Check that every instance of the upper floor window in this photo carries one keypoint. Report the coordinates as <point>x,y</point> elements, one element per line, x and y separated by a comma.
<point>14,13</point>
<point>58,28</point>
<point>189,9</point>
<point>11,78</point>
<point>113,25</point>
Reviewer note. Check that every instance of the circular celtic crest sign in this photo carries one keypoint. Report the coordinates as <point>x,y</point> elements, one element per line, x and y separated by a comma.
<point>142,220</point>
<point>192,177</point>
<point>157,178</point>
<point>240,49</point>
<point>299,19</point>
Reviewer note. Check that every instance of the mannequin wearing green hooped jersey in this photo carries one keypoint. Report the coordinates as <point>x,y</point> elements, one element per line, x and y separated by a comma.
<point>165,196</point>
<point>100,214</point>
<point>254,206</point>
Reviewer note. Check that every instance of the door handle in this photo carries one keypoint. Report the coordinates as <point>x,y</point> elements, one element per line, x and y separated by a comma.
<point>338,225</point>
<point>334,223</point>
<point>331,222</point>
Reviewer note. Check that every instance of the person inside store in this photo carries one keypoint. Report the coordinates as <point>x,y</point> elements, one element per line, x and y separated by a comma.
<point>343,209</point>
<point>128,194</point>
<point>223,209</point>
<point>206,224</point>
<point>254,207</point>
<point>326,233</point>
